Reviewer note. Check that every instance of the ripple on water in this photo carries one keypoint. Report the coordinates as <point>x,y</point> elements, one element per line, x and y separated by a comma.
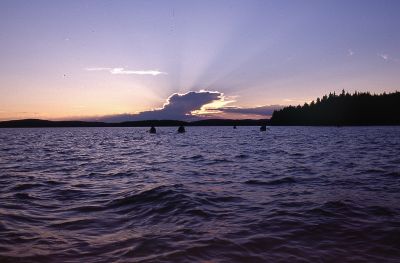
<point>284,180</point>
<point>215,194</point>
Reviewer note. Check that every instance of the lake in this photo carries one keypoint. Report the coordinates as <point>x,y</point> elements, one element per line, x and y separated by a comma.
<point>213,194</point>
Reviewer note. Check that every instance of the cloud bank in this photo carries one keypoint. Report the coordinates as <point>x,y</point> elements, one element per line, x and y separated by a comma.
<point>180,106</point>
<point>194,105</point>
<point>122,71</point>
<point>261,110</point>
<point>177,107</point>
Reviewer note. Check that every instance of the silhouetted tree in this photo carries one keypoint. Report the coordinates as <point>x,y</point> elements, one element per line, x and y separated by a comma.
<point>361,108</point>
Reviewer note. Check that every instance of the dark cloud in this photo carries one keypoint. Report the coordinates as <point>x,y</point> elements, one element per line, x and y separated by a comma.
<point>262,110</point>
<point>177,107</point>
<point>111,118</point>
<point>180,106</point>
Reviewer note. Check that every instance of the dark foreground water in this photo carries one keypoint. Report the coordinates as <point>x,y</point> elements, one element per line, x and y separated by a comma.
<point>292,194</point>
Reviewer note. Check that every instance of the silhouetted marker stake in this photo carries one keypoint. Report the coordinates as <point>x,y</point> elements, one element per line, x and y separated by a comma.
<point>181,129</point>
<point>263,128</point>
<point>152,130</point>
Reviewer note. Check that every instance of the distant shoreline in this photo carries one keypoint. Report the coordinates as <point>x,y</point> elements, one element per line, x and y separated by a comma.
<point>37,123</point>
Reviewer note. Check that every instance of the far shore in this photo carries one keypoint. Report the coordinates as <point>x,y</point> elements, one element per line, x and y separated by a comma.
<point>37,123</point>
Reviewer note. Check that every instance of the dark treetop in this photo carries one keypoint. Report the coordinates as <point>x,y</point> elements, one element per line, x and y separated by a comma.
<point>343,109</point>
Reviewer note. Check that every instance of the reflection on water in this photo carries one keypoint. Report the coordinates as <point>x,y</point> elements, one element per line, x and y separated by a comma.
<point>212,194</point>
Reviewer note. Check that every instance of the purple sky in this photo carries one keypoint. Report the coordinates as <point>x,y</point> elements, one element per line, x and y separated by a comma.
<point>87,59</point>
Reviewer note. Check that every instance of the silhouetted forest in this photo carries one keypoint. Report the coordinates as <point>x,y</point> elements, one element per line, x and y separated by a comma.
<point>360,108</point>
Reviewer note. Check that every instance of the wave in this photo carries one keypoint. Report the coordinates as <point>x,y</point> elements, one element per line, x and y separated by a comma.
<point>25,186</point>
<point>243,198</point>
<point>157,194</point>
<point>285,180</point>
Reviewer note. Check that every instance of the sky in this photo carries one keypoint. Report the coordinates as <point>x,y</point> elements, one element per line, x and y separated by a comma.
<point>128,60</point>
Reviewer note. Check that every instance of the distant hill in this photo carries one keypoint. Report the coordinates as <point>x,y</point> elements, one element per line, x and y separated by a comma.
<point>26,123</point>
<point>36,123</point>
<point>343,109</point>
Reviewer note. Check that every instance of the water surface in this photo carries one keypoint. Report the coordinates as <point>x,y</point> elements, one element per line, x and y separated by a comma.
<point>291,194</point>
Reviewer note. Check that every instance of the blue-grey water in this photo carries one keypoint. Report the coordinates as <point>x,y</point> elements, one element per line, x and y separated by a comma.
<point>291,194</point>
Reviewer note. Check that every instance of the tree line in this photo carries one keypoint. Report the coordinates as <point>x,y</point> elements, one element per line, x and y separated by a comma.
<point>359,108</point>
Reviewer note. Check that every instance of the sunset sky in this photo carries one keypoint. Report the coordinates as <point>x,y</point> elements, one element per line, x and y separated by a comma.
<point>129,60</point>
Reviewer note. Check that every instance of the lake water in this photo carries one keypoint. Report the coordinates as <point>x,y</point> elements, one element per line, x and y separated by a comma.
<point>291,194</point>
